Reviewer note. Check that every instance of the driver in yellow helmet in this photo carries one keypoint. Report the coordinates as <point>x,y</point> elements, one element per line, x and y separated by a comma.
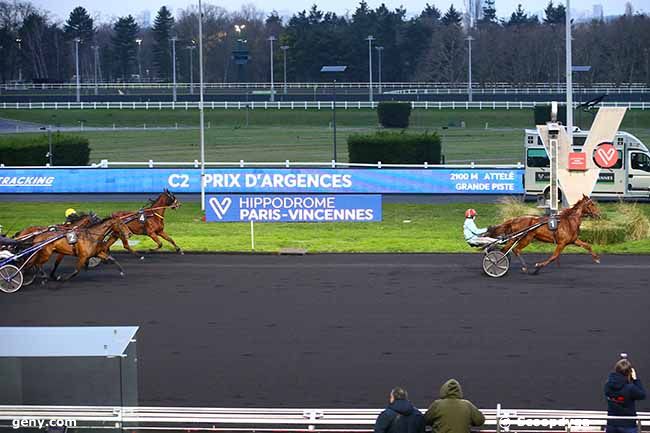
<point>71,216</point>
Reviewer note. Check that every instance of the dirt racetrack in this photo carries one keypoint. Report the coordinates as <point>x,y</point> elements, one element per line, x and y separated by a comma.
<point>341,330</point>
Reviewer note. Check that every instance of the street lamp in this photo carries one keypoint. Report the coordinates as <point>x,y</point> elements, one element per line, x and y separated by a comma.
<point>379,50</point>
<point>271,40</point>
<point>284,49</point>
<point>469,39</point>
<point>191,49</point>
<point>370,39</point>
<point>173,40</point>
<point>76,57</point>
<point>333,70</point>
<point>139,42</point>
<point>96,62</point>
<point>20,62</point>
<point>201,112</point>
<point>50,153</point>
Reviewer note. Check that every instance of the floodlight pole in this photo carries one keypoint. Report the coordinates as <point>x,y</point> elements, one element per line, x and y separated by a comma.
<point>191,49</point>
<point>569,74</point>
<point>334,121</point>
<point>174,39</point>
<point>469,39</point>
<point>201,113</point>
<point>76,61</point>
<point>370,38</point>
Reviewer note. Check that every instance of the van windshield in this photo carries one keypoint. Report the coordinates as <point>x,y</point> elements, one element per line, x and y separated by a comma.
<point>537,158</point>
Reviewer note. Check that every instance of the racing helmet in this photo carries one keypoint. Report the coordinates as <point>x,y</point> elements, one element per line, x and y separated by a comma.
<point>70,211</point>
<point>470,213</point>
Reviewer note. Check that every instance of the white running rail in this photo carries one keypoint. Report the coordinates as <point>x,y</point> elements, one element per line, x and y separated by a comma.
<point>292,105</point>
<point>292,420</point>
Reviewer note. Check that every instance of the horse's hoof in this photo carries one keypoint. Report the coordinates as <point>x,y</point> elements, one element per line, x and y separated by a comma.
<point>597,261</point>
<point>122,274</point>
<point>141,257</point>
<point>524,269</point>
<point>179,251</point>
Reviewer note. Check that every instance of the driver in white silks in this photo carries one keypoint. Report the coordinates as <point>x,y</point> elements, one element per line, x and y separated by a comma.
<point>473,234</point>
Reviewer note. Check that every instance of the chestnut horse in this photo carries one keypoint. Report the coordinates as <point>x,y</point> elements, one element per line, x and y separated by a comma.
<point>567,232</point>
<point>150,221</point>
<point>90,242</point>
<point>28,233</point>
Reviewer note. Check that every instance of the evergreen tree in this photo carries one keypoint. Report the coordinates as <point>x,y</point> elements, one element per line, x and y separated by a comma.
<point>431,12</point>
<point>79,25</point>
<point>125,31</point>
<point>452,17</point>
<point>520,18</point>
<point>554,14</point>
<point>489,12</point>
<point>162,31</point>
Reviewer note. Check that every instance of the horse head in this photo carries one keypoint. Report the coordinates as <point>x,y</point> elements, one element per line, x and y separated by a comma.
<point>170,199</point>
<point>589,207</point>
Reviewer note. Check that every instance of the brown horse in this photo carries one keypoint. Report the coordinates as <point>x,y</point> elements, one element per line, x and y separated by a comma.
<point>567,232</point>
<point>150,221</point>
<point>90,242</point>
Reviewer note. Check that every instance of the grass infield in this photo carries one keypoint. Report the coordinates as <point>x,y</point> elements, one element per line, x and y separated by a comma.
<point>423,228</point>
<point>489,136</point>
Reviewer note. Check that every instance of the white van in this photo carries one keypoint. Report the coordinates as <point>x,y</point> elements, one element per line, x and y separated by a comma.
<point>629,178</point>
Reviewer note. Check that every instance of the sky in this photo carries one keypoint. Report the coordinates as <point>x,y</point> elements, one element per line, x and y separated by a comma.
<point>106,10</point>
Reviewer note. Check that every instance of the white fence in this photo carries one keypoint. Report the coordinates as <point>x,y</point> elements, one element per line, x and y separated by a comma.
<point>521,88</point>
<point>104,163</point>
<point>292,420</point>
<point>301,105</point>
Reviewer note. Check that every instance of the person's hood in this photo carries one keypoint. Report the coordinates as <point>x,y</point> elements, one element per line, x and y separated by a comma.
<point>402,407</point>
<point>616,382</point>
<point>451,389</point>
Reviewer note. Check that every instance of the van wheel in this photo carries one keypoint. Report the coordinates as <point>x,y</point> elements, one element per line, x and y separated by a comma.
<point>547,194</point>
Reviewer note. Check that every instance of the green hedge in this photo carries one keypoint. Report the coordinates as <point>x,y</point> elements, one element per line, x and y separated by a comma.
<point>543,114</point>
<point>394,148</point>
<point>32,150</point>
<point>394,114</point>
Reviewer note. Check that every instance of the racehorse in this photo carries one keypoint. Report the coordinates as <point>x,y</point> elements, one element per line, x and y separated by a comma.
<point>150,221</point>
<point>90,242</point>
<point>567,232</point>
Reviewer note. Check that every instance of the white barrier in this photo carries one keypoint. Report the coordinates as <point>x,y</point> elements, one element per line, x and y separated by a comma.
<point>293,420</point>
<point>293,105</point>
<point>104,163</point>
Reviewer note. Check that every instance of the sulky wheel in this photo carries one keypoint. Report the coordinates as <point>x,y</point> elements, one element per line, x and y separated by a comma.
<point>29,275</point>
<point>496,263</point>
<point>11,279</point>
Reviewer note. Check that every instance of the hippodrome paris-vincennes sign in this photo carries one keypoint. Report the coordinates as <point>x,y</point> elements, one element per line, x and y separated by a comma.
<point>293,208</point>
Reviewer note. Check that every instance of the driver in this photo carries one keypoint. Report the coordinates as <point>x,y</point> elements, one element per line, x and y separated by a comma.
<point>71,216</point>
<point>472,233</point>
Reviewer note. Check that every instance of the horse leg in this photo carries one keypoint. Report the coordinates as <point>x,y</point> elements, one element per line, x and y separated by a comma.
<point>111,259</point>
<point>156,239</point>
<point>518,249</point>
<point>81,261</point>
<point>554,256</point>
<point>57,262</point>
<point>171,241</point>
<point>587,247</point>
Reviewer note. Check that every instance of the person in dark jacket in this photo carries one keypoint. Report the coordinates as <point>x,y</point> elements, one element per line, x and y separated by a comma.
<point>400,416</point>
<point>450,413</point>
<point>622,390</point>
